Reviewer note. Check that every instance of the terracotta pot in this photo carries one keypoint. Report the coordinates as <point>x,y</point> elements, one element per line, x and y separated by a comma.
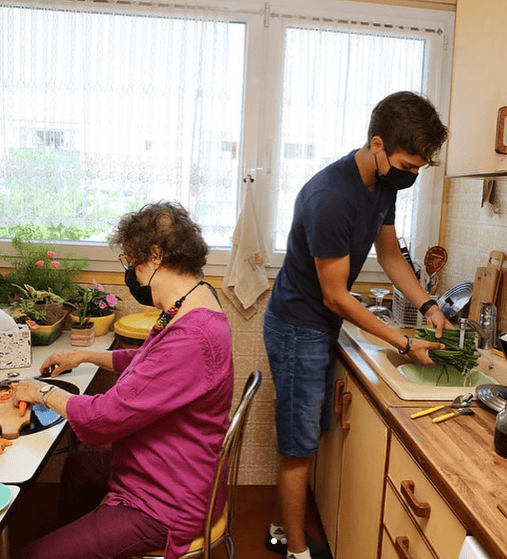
<point>82,336</point>
<point>102,324</point>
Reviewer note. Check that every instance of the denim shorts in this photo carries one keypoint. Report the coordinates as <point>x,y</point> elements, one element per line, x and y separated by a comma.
<point>302,363</point>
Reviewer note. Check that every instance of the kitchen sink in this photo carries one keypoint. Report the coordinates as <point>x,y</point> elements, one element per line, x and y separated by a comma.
<point>411,381</point>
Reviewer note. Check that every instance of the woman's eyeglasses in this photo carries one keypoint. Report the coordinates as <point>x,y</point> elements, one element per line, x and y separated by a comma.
<point>125,262</point>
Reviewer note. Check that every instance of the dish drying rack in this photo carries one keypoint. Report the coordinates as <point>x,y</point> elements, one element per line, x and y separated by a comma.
<point>404,313</point>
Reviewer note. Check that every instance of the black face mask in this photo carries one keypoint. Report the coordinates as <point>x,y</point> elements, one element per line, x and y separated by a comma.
<point>141,293</point>
<point>395,178</point>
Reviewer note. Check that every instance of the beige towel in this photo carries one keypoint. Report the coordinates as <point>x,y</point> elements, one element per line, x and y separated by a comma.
<point>245,278</point>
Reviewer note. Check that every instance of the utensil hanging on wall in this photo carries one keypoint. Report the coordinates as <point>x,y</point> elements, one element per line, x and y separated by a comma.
<point>434,260</point>
<point>406,254</point>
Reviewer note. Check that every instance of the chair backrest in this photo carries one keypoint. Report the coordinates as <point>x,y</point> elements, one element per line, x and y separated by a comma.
<point>229,456</point>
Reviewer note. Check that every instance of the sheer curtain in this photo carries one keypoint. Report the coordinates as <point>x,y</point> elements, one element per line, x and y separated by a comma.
<point>333,77</point>
<point>104,111</point>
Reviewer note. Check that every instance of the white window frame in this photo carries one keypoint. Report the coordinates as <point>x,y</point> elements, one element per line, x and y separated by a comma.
<point>264,63</point>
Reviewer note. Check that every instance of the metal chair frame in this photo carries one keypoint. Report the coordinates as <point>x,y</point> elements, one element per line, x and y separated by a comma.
<point>228,460</point>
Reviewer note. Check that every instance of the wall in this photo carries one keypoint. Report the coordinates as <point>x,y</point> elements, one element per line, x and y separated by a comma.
<point>470,232</point>
<point>478,86</point>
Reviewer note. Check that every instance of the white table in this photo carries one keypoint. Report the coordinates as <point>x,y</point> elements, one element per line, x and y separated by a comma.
<point>20,463</point>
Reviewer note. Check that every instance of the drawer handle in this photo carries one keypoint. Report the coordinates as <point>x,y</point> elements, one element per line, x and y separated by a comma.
<point>346,400</point>
<point>338,389</point>
<point>419,508</point>
<point>401,547</point>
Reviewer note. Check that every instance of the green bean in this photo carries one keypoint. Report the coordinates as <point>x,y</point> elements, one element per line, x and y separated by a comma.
<point>464,359</point>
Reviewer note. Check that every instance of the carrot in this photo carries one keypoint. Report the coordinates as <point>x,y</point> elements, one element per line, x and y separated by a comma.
<point>22,408</point>
<point>3,444</point>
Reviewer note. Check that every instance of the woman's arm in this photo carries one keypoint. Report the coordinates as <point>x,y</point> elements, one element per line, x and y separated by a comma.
<point>28,390</point>
<point>59,362</point>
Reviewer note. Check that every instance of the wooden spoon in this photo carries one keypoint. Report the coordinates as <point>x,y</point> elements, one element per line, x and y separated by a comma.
<point>434,260</point>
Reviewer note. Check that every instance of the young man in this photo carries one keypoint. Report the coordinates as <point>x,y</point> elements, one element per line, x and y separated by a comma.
<point>338,215</point>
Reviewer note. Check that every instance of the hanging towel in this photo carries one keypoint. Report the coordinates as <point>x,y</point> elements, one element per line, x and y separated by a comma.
<point>245,278</point>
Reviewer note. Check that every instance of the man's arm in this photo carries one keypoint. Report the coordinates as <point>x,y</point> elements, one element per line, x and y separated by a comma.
<point>401,274</point>
<point>333,274</point>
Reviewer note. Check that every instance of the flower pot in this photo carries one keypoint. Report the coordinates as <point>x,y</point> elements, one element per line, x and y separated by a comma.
<point>82,336</point>
<point>102,324</point>
<point>46,335</point>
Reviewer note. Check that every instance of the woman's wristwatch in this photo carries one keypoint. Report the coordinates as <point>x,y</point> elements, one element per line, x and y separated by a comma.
<point>425,307</point>
<point>44,393</point>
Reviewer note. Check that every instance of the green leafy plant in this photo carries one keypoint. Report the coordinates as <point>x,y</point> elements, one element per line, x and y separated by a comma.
<point>39,265</point>
<point>94,301</point>
<point>37,307</point>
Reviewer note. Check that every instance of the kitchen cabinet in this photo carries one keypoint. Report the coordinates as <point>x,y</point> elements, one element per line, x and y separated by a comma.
<point>373,498</point>
<point>350,470</point>
<point>416,518</point>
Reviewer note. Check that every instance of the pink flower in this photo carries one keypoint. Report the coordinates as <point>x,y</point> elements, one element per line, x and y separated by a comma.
<point>54,264</point>
<point>111,299</point>
<point>102,305</point>
<point>51,254</point>
<point>98,285</point>
<point>40,263</point>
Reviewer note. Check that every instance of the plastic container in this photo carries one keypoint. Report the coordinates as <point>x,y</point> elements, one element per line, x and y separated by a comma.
<point>132,329</point>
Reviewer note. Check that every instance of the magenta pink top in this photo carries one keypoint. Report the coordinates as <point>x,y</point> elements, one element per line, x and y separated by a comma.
<point>165,418</point>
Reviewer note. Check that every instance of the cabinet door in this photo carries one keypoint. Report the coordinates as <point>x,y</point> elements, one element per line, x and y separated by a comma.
<point>362,477</point>
<point>328,463</point>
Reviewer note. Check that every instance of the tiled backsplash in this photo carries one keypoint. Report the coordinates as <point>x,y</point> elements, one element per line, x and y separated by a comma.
<point>470,232</point>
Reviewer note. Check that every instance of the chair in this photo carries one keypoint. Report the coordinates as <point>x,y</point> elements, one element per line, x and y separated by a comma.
<point>228,457</point>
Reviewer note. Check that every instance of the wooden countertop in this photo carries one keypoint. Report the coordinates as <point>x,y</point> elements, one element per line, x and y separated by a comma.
<point>457,455</point>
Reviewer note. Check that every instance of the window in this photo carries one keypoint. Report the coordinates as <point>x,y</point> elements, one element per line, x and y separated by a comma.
<point>108,111</point>
<point>110,105</point>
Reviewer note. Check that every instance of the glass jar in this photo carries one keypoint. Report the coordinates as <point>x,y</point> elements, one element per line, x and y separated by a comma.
<point>501,432</point>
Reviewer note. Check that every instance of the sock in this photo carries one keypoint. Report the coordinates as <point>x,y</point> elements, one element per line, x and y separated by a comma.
<point>303,555</point>
<point>277,533</point>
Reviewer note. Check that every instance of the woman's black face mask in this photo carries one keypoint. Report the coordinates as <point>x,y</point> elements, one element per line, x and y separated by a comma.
<point>395,178</point>
<point>141,293</point>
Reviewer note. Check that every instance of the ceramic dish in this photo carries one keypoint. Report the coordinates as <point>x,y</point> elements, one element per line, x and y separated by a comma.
<point>5,496</point>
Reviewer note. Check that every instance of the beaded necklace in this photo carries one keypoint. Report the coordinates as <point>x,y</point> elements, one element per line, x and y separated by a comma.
<point>166,316</point>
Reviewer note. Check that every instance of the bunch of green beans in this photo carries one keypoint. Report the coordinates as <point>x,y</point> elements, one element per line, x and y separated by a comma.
<point>464,358</point>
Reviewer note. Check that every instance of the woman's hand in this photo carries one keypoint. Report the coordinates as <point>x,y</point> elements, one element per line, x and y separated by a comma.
<point>26,390</point>
<point>59,362</point>
<point>419,351</point>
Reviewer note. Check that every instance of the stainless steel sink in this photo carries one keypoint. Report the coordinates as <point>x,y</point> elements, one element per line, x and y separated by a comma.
<point>390,366</point>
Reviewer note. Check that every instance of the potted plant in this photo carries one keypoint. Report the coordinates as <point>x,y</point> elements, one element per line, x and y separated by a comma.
<point>42,311</point>
<point>94,306</point>
<point>37,264</point>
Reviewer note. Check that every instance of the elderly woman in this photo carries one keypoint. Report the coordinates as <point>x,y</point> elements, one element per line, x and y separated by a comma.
<point>163,420</point>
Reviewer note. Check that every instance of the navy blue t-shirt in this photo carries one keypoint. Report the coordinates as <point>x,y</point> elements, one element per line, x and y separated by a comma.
<point>335,214</point>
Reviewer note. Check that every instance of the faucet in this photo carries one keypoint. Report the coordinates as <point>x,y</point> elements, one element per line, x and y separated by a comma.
<point>484,338</point>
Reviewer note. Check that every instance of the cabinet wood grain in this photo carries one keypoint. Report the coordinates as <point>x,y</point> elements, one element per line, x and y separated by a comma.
<point>459,457</point>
